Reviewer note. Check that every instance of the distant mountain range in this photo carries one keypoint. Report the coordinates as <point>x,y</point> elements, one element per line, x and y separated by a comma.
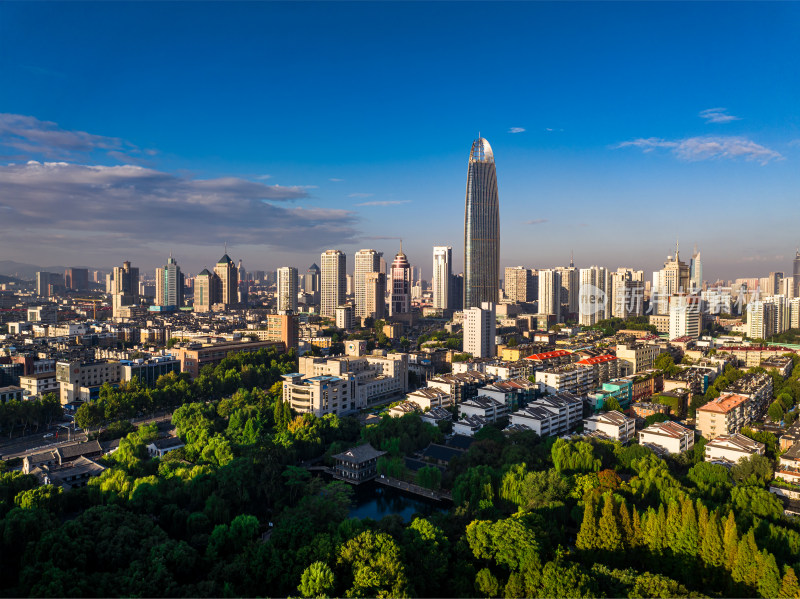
<point>27,272</point>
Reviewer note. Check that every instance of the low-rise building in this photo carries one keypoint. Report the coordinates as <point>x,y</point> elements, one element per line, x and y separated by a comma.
<point>148,371</point>
<point>789,465</point>
<point>80,380</point>
<point>357,464</point>
<point>461,386</point>
<point>552,415</point>
<point>37,385</point>
<point>403,408</point>
<point>483,406</point>
<point>636,357</point>
<point>320,395</point>
<point>195,356</point>
<point>428,398</point>
<point>644,409</point>
<point>725,415</point>
<point>604,367</point>
<point>614,425</point>
<point>469,425</point>
<point>570,378</point>
<point>552,358</point>
<point>729,449</point>
<point>783,364</point>
<point>10,393</point>
<point>160,447</point>
<point>670,437</point>
<point>515,393</point>
<point>436,415</point>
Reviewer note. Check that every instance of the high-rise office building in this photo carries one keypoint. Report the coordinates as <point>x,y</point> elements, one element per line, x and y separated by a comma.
<point>47,283</point>
<point>366,261</point>
<point>76,279</point>
<point>685,319</point>
<point>206,291</point>
<point>375,295</point>
<point>480,330</point>
<point>287,290</point>
<point>550,293</point>
<point>125,286</point>
<point>169,284</point>
<point>672,279</point>
<point>518,284</point>
<point>796,273</point>
<point>442,273</point>
<point>333,282</point>
<point>311,280</point>
<point>696,272</point>
<point>228,275</point>
<point>400,282</point>
<point>457,292</point>
<point>481,228</point>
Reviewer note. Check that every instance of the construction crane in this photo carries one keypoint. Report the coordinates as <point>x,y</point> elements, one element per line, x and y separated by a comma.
<point>94,303</point>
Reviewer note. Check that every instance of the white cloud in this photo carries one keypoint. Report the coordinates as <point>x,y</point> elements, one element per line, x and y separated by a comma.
<point>717,115</point>
<point>536,221</point>
<point>516,130</point>
<point>360,195</point>
<point>694,149</point>
<point>36,138</point>
<point>335,180</point>
<point>142,205</point>
<point>263,177</point>
<point>385,203</point>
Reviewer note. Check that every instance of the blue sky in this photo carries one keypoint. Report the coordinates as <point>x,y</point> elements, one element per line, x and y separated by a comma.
<point>286,129</point>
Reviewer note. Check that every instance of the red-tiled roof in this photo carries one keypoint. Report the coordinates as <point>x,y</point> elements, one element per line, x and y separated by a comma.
<point>559,353</point>
<point>597,360</point>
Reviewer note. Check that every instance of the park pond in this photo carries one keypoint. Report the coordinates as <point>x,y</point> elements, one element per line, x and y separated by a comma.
<point>373,500</point>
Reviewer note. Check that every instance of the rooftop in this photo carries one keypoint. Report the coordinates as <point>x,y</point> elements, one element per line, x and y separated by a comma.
<point>723,404</point>
<point>359,454</point>
<point>559,353</point>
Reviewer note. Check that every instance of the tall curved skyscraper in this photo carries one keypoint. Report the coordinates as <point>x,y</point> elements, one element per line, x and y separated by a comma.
<point>481,228</point>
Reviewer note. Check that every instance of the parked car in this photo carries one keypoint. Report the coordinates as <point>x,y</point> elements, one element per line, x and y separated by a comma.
<point>48,436</point>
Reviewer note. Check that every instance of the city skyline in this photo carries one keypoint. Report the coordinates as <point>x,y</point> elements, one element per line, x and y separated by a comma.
<point>258,160</point>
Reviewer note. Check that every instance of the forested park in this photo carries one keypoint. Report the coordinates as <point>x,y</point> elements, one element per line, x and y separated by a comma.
<point>233,512</point>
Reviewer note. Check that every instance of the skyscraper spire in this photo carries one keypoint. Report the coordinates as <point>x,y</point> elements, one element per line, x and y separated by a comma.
<point>677,250</point>
<point>572,258</point>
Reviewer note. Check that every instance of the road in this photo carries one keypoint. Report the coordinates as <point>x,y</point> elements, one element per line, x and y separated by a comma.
<point>21,446</point>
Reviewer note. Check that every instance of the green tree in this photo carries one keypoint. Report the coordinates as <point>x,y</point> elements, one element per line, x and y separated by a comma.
<point>608,529</point>
<point>429,477</point>
<point>752,470</point>
<point>316,581</point>
<point>376,566</point>
<point>588,533</point>
<point>775,411</point>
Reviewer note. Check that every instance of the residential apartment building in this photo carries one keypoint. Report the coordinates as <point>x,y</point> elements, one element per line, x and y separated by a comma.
<point>550,293</point>
<point>486,407</point>
<point>613,425</point>
<point>375,295</point>
<point>518,284</point>
<point>428,398</point>
<point>286,294</point>
<point>724,415</point>
<point>604,367</point>
<point>479,331</point>
<point>685,318</point>
<point>148,371</point>
<point>442,275</point>
<point>669,437</point>
<point>461,386</point>
<point>320,395</point>
<point>570,378</point>
<point>333,284</point>
<point>730,448</point>
<point>553,358</point>
<point>552,415</point>
<point>636,357</point>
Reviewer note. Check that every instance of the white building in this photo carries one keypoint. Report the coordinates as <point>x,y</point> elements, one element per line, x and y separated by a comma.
<point>593,297</point>
<point>81,380</point>
<point>344,317</point>
<point>479,331</point>
<point>570,378</point>
<point>357,380</point>
<point>684,316</point>
<point>550,293</point>
<point>442,273</point>
<point>333,281</point>
<point>670,437</point>
<point>483,406</point>
<point>553,415</point>
<point>287,290</point>
<point>729,449</point>
<point>614,425</point>
<point>627,293</point>
<point>36,385</point>
<point>428,398</point>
